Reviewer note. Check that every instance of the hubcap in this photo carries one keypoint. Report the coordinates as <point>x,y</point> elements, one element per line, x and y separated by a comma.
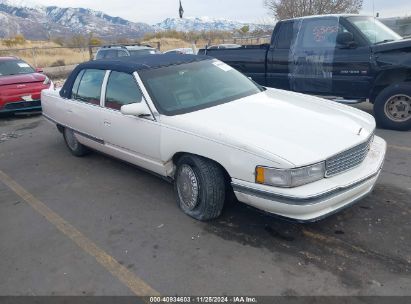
<point>71,139</point>
<point>187,187</point>
<point>398,108</point>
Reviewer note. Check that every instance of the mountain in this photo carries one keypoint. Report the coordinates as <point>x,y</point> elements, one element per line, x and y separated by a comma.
<point>206,24</point>
<point>41,22</point>
<point>37,22</point>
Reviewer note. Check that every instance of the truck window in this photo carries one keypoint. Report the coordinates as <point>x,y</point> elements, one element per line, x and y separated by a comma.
<point>121,89</point>
<point>285,35</point>
<point>319,33</point>
<point>89,89</point>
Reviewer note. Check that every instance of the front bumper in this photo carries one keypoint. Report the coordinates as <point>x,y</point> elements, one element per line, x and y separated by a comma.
<point>33,105</point>
<point>317,200</point>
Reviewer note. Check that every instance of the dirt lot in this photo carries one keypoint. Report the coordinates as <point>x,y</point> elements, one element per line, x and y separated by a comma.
<point>97,226</point>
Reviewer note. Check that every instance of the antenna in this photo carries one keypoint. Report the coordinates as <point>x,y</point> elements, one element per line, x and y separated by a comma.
<point>373,16</point>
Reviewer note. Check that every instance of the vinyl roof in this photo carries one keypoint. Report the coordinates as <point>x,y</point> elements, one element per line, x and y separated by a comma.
<point>131,64</point>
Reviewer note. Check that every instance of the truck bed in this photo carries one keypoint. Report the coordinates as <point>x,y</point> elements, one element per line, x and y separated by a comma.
<point>248,59</point>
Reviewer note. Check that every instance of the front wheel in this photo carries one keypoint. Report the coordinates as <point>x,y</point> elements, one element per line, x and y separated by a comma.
<point>199,187</point>
<point>392,107</point>
<point>73,144</point>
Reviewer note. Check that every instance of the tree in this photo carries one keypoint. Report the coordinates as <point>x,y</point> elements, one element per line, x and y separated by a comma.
<point>58,40</point>
<point>244,30</point>
<point>78,41</point>
<point>285,9</point>
<point>19,39</point>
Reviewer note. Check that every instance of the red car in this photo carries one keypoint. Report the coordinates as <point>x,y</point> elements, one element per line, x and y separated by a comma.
<point>20,85</point>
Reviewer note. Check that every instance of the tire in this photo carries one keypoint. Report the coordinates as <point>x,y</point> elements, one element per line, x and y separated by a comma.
<point>199,187</point>
<point>76,148</point>
<point>392,107</point>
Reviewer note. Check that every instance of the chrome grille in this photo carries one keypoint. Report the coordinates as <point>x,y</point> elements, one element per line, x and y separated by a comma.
<point>348,159</point>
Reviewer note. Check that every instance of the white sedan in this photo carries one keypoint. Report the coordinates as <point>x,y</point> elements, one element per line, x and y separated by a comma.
<point>212,131</point>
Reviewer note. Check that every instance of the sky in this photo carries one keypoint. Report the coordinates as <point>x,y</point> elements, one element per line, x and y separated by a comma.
<point>154,11</point>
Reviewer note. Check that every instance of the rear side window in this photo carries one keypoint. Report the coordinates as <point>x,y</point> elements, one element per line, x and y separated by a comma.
<point>103,54</point>
<point>121,53</point>
<point>121,89</point>
<point>89,87</point>
<point>74,90</point>
<point>319,33</point>
<point>285,36</point>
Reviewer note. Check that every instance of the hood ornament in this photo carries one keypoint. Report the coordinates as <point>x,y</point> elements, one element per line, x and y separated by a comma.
<point>359,132</point>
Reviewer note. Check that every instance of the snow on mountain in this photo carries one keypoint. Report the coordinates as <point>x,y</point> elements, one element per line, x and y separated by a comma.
<point>205,24</point>
<point>41,22</point>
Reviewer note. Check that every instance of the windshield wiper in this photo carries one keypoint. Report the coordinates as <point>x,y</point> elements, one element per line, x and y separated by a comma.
<point>384,41</point>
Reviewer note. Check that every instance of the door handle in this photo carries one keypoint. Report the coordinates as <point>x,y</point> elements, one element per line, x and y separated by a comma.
<point>107,123</point>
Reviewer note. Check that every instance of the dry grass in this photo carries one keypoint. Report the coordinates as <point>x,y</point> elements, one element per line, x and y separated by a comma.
<point>171,43</point>
<point>44,54</point>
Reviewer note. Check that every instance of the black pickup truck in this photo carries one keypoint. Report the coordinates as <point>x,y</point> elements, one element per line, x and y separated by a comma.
<point>349,57</point>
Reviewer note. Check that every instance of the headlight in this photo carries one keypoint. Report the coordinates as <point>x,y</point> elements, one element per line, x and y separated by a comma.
<point>47,80</point>
<point>289,177</point>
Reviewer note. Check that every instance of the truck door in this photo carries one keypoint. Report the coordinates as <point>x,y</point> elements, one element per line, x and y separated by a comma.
<point>352,64</point>
<point>312,55</point>
<point>278,57</point>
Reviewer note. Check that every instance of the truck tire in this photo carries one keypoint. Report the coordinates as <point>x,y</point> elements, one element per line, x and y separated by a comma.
<point>76,148</point>
<point>199,187</point>
<point>392,107</point>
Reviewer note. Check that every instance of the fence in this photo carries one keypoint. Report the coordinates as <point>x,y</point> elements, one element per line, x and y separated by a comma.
<point>55,56</point>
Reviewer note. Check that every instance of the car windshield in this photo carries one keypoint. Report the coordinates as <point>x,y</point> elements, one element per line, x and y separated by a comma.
<point>375,31</point>
<point>184,88</point>
<point>141,52</point>
<point>15,67</point>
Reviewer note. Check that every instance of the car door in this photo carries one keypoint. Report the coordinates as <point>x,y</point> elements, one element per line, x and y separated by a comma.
<point>312,55</point>
<point>352,72</point>
<point>135,139</point>
<point>83,108</point>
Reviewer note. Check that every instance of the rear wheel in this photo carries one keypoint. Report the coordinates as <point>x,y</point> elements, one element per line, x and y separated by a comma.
<point>199,187</point>
<point>392,107</point>
<point>73,144</point>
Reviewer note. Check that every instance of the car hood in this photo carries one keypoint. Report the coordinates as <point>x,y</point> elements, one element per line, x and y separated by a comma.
<point>392,45</point>
<point>393,54</point>
<point>280,125</point>
<point>22,78</point>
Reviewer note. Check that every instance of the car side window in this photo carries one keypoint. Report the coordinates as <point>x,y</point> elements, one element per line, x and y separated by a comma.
<point>89,88</point>
<point>285,35</point>
<point>122,53</point>
<point>74,90</point>
<point>121,89</point>
<point>103,54</point>
<point>100,55</point>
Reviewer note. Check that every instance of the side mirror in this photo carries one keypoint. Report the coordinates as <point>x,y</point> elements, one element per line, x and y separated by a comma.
<point>346,39</point>
<point>139,109</point>
<point>39,70</point>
